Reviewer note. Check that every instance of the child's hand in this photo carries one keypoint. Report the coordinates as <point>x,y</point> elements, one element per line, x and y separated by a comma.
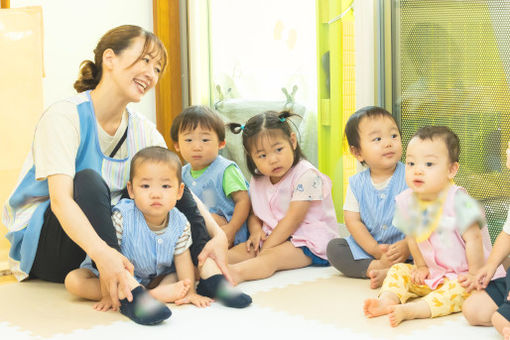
<point>398,252</point>
<point>253,242</point>
<point>197,300</point>
<point>419,274</point>
<point>484,276</point>
<point>105,304</point>
<point>468,281</point>
<point>380,251</point>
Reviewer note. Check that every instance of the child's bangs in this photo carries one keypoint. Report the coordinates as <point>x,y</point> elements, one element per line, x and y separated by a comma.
<point>194,121</point>
<point>265,136</point>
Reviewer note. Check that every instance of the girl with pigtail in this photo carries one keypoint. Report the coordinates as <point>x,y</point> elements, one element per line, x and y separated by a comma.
<point>293,217</point>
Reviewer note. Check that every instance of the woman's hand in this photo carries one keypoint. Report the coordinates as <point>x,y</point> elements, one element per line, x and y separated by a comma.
<point>216,250</point>
<point>112,267</point>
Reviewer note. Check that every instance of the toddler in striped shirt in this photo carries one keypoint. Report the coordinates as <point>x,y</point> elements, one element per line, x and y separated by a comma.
<point>155,237</point>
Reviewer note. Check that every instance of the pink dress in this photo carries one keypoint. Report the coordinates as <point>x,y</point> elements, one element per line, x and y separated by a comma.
<point>444,250</point>
<point>271,201</point>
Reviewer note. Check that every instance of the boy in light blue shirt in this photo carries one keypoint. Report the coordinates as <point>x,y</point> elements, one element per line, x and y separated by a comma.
<point>198,134</point>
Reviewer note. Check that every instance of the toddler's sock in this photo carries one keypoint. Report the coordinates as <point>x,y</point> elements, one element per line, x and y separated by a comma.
<point>217,287</point>
<point>144,309</point>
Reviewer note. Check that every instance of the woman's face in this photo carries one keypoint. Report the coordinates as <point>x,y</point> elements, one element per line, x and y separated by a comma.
<point>134,80</point>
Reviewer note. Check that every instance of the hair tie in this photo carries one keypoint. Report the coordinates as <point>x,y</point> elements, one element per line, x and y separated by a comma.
<point>282,119</point>
<point>242,127</point>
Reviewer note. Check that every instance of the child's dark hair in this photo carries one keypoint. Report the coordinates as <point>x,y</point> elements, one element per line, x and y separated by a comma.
<point>269,123</point>
<point>156,154</point>
<point>196,115</point>
<point>450,139</point>
<point>352,125</point>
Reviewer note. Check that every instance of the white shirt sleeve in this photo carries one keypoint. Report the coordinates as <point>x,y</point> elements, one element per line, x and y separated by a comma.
<point>56,141</point>
<point>350,202</point>
<point>118,224</point>
<point>184,242</point>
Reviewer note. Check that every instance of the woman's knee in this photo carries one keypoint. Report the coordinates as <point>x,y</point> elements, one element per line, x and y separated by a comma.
<point>88,183</point>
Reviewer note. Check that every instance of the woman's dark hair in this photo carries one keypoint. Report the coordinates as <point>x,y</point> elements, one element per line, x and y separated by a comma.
<point>352,125</point>
<point>450,139</point>
<point>269,123</point>
<point>196,115</point>
<point>117,39</point>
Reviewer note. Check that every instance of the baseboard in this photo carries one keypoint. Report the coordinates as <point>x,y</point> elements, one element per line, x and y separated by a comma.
<point>4,268</point>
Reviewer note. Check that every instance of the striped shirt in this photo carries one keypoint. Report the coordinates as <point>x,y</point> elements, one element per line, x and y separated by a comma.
<point>183,243</point>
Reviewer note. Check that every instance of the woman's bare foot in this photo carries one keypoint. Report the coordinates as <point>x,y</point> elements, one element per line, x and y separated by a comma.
<point>377,277</point>
<point>377,307</point>
<point>171,292</point>
<point>506,333</point>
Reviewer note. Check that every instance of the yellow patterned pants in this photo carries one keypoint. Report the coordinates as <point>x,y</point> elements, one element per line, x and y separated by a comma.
<point>446,299</point>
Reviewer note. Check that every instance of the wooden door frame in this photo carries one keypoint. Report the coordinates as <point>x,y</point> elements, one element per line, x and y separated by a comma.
<point>169,88</point>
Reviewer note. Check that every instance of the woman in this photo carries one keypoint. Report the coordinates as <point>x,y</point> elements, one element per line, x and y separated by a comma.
<point>80,158</point>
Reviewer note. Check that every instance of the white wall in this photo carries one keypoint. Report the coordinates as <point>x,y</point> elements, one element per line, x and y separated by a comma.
<point>72,29</point>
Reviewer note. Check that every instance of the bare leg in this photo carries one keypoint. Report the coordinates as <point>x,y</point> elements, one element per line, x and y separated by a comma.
<point>479,308</point>
<point>170,290</point>
<point>83,283</point>
<point>380,306</point>
<point>208,269</point>
<point>408,311</point>
<point>282,257</point>
<point>377,277</point>
<point>239,253</point>
<point>501,324</point>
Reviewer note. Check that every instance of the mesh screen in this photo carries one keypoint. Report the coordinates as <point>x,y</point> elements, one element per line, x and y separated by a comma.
<point>452,67</point>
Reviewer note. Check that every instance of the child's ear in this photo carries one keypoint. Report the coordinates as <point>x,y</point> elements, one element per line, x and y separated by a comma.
<point>180,191</point>
<point>293,140</point>
<point>452,171</point>
<point>176,147</point>
<point>130,190</point>
<point>356,153</point>
<point>221,145</point>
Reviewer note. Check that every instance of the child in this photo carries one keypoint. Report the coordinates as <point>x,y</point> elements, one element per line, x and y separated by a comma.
<point>491,307</point>
<point>155,237</point>
<point>198,134</point>
<point>446,232</point>
<point>293,216</point>
<point>374,244</point>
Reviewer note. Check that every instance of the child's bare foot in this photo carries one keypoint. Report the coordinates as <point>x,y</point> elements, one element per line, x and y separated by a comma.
<point>171,292</point>
<point>506,333</point>
<point>377,277</point>
<point>377,307</point>
<point>397,315</point>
